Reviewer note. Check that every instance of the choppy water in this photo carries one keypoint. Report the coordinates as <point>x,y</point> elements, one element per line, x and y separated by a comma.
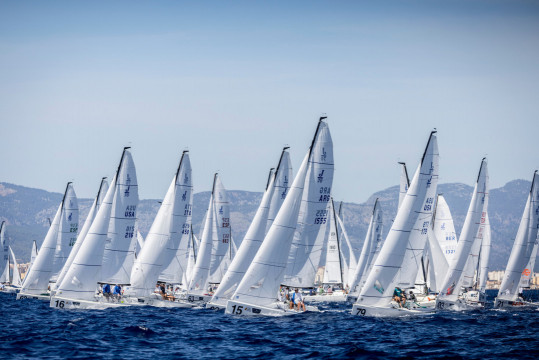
<point>33,330</point>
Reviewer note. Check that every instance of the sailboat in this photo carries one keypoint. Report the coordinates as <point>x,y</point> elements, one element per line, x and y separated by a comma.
<point>459,278</point>
<point>258,291</point>
<point>399,259</point>
<point>166,244</point>
<point>370,250</point>
<point>214,246</point>
<point>335,268</point>
<point>103,186</point>
<point>110,234</point>
<point>274,195</point>
<point>523,253</point>
<point>54,250</point>
<point>348,252</point>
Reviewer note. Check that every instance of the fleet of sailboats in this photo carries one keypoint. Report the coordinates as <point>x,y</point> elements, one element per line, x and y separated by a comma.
<point>421,266</point>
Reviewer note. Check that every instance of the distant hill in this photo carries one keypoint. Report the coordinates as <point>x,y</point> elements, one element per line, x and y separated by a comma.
<point>26,211</point>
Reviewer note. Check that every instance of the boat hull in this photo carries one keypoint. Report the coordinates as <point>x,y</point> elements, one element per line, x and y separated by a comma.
<point>388,312</point>
<point>275,309</point>
<point>21,296</point>
<point>330,298</point>
<point>62,303</point>
<point>458,305</point>
<point>514,305</point>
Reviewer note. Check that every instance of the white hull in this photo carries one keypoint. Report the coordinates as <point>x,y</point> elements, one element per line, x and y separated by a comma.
<point>193,298</point>
<point>11,289</point>
<point>58,302</point>
<point>390,311</point>
<point>514,305</point>
<point>334,297</point>
<point>275,309</point>
<point>459,305</point>
<point>21,296</point>
<point>214,306</point>
<point>160,303</point>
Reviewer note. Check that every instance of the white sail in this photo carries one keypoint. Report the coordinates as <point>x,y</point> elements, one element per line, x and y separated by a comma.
<point>221,239</point>
<point>4,247</point>
<point>261,282</point>
<point>16,278</point>
<point>347,251</point>
<point>371,245</point>
<point>281,184</point>
<point>37,279</point>
<point>484,257</point>
<point>191,260</point>
<point>527,273</point>
<point>140,242</point>
<point>308,243</point>
<point>169,235</point>
<point>103,186</point>
<point>67,231</point>
<point>523,247</point>
<point>438,265</point>
<point>398,261</point>
<point>276,190</point>
<point>471,230</point>
<point>333,269</point>
<point>4,276</point>
<point>249,246</point>
<point>118,256</point>
<point>404,184</point>
<point>444,229</point>
<point>199,278</point>
<point>176,253</point>
<point>81,279</point>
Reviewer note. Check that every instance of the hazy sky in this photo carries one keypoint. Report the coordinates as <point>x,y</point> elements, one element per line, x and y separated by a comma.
<point>235,81</point>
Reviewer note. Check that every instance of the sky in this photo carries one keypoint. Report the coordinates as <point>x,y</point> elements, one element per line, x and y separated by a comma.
<point>235,81</point>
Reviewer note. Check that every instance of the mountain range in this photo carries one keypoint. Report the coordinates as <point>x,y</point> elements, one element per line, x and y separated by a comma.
<point>26,210</point>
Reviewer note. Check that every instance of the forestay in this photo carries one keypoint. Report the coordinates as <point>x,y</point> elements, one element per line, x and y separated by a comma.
<point>167,241</point>
<point>118,256</point>
<point>473,223</point>
<point>524,247</point>
<point>308,243</point>
<point>398,261</point>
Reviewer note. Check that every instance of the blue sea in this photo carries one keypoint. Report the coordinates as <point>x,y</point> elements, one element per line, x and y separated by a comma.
<point>33,330</point>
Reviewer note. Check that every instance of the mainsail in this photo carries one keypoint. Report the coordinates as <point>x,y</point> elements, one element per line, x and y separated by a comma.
<point>333,271</point>
<point>444,229</point>
<point>4,247</point>
<point>308,243</point>
<point>119,256</point>
<point>16,277</point>
<point>472,230</point>
<point>404,184</point>
<point>167,242</point>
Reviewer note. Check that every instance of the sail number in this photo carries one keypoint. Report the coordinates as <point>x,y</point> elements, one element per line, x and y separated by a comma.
<point>185,229</point>
<point>361,311</point>
<point>187,210</point>
<point>129,230</point>
<point>428,204</point>
<point>321,217</point>
<point>425,227</point>
<point>130,211</point>
<point>226,238</point>
<point>226,222</point>
<point>237,310</point>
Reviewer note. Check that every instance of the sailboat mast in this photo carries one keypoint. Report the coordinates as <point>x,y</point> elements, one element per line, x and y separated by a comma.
<point>121,161</point>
